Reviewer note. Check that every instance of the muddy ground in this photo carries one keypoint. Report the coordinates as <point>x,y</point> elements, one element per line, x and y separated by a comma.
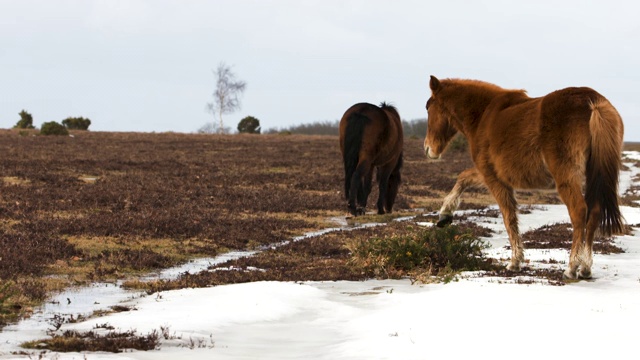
<point>102,206</point>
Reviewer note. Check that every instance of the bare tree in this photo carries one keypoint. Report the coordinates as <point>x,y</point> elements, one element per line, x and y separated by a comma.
<point>226,95</point>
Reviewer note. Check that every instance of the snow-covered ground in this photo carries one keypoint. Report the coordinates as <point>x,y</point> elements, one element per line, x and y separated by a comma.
<point>475,317</point>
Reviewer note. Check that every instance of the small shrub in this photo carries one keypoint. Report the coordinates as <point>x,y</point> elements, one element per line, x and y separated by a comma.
<point>53,128</point>
<point>25,122</point>
<point>433,250</point>
<point>76,123</point>
<point>249,125</point>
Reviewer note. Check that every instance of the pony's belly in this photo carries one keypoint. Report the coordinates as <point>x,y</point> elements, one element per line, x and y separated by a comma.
<point>536,183</point>
<point>527,174</point>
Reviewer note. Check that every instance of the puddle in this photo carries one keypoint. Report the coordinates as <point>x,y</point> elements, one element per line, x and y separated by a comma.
<point>197,265</point>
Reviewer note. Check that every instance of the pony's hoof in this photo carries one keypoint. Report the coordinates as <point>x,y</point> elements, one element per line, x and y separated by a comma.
<point>584,273</point>
<point>444,220</point>
<point>569,275</point>
<point>513,267</point>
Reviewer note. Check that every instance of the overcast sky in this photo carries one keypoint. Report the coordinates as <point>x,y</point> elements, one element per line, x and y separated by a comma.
<point>147,65</point>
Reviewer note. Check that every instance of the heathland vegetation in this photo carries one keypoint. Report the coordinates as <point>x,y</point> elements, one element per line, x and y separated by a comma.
<point>100,206</point>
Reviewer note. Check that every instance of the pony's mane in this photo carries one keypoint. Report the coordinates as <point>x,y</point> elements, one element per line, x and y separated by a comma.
<point>480,85</point>
<point>386,106</point>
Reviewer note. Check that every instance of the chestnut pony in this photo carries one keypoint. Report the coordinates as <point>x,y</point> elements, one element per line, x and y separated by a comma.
<point>371,138</point>
<point>562,139</point>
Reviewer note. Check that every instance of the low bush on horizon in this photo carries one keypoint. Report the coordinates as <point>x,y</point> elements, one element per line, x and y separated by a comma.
<point>25,122</point>
<point>53,128</point>
<point>76,123</point>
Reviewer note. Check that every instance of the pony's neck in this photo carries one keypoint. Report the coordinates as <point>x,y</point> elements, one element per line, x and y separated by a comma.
<point>468,100</point>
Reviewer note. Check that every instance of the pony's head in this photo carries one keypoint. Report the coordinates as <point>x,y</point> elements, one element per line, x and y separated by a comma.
<point>440,129</point>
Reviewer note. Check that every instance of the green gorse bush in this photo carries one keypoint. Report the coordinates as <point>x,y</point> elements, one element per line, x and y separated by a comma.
<point>53,128</point>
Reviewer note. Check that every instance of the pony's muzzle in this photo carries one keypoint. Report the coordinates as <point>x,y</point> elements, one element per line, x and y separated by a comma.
<point>429,153</point>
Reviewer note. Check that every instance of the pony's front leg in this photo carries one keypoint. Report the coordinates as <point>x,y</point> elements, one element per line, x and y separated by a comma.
<point>466,179</point>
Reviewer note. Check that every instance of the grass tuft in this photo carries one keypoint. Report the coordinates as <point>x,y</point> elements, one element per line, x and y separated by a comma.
<point>434,251</point>
<point>112,341</point>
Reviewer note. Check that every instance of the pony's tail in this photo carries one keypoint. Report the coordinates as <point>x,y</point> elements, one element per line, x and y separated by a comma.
<point>352,143</point>
<point>603,165</point>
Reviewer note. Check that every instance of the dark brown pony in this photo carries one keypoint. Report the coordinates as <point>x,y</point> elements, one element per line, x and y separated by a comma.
<point>371,138</point>
<point>563,139</point>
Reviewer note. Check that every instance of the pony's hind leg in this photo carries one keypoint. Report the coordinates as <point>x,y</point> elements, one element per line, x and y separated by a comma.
<point>366,190</point>
<point>355,188</point>
<point>586,257</point>
<point>506,200</point>
<point>570,192</point>
<point>466,179</point>
<point>358,189</point>
<point>383,183</point>
<point>394,183</point>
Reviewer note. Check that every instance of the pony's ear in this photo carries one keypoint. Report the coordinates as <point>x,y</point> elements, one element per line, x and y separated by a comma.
<point>434,84</point>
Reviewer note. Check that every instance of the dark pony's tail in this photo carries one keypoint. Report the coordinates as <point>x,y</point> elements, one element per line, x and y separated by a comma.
<point>603,165</point>
<point>352,142</point>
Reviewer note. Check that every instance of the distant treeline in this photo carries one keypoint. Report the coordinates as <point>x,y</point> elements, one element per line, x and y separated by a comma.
<point>413,128</point>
